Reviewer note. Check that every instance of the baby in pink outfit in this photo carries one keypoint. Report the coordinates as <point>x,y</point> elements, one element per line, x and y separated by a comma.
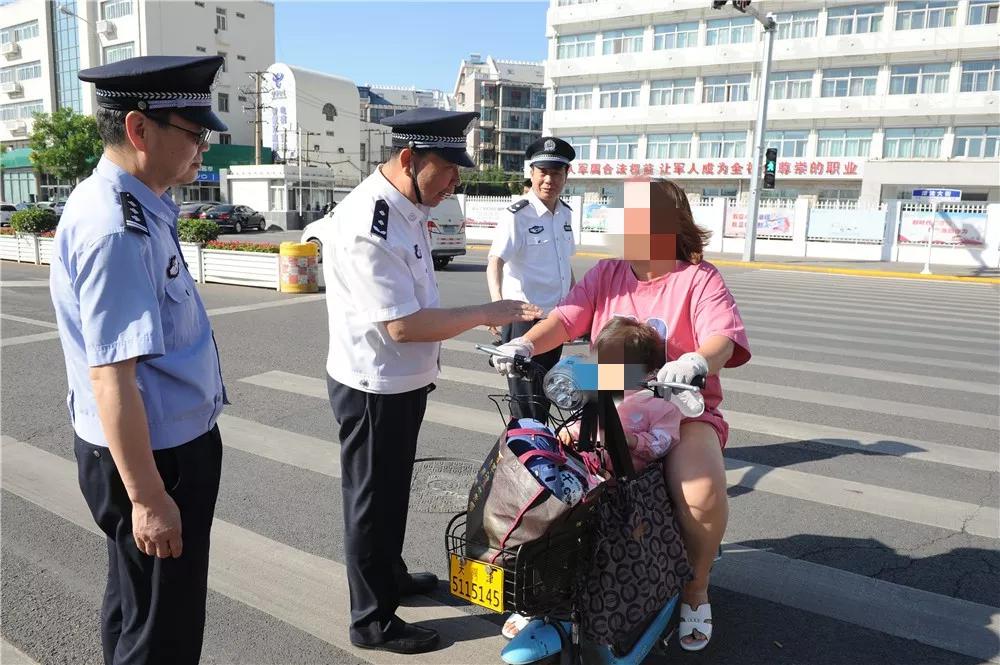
<point>628,353</point>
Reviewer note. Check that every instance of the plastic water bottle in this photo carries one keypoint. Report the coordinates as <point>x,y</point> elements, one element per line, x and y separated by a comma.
<point>690,402</point>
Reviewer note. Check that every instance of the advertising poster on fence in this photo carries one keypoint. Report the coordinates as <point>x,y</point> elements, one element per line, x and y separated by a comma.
<point>774,223</point>
<point>595,217</point>
<point>950,228</point>
<point>846,225</point>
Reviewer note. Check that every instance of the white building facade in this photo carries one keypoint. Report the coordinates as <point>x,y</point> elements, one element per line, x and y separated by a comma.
<point>44,44</point>
<point>867,100</point>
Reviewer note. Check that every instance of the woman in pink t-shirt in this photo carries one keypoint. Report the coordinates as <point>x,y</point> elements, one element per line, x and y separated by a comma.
<point>664,282</point>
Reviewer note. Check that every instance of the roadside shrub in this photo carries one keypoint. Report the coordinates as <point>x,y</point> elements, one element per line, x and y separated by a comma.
<point>33,220</point>
<point>200,231</point>
<point>237,246</point>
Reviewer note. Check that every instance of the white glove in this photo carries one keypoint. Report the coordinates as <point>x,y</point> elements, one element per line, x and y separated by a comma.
<point>519,346</point>
<point>684,369</point>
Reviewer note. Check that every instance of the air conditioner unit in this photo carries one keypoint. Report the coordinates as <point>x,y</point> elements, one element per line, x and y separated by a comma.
<point>11,50</point>
<point>106,28</point>
<point>16,126</point>
<point>11,88</point>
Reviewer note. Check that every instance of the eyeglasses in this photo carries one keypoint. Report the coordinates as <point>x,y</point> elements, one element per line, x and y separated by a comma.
<point>203,137</point>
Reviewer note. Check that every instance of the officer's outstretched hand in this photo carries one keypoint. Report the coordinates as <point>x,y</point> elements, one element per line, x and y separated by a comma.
<point>502,312</point>
<point>156,527</point>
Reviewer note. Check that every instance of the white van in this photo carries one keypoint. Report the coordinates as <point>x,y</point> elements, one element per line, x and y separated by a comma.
<point>446,225</point>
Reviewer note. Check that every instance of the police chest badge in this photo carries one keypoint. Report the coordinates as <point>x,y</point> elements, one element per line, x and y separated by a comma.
<point>536,229</point>
<point>173,267</point>
<point>567,227</point>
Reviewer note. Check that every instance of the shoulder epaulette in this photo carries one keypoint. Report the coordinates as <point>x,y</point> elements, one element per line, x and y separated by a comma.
<point>380,220</point>
<point>564,203</point>
<point>517,205</point>
<point>132,213</point>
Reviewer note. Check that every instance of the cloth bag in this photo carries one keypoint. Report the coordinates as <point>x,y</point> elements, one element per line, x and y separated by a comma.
<point>639,561</point>
<point>508,505</point>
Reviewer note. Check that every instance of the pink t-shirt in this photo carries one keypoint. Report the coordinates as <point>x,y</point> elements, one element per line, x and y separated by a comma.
<point>686,307</point>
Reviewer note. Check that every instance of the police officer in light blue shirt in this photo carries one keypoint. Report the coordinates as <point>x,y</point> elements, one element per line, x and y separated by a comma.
<point>145,387</point>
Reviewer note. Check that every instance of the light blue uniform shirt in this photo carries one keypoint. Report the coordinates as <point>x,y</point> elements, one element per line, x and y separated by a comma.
<point>119,293</point>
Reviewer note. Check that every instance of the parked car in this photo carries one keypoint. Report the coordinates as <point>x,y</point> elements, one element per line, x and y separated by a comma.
<point>6,210</point>
<point>445,225</point>
<point>236,217</point>
<point>194,209</point>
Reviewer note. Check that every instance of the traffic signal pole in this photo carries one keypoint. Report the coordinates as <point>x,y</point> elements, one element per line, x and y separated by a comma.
<point>756,176</point>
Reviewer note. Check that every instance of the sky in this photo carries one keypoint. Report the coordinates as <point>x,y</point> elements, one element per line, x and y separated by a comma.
<point>417,44</point>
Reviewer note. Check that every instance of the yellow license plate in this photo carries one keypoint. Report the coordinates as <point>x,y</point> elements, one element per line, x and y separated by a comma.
<point>477,582</point>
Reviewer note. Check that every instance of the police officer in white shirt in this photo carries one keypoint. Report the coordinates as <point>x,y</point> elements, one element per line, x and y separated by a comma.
<point>386,324</point>
<point>529,260</point>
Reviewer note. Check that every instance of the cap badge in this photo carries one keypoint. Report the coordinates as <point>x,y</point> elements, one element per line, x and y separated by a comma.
<point>550,145</point>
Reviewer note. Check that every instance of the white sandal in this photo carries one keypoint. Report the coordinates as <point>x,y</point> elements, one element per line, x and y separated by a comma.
<point>697,624</point>
<point>514,624</point>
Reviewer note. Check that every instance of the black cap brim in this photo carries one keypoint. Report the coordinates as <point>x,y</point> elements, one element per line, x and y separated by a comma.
<point>548,164</point>
<point>200,115</point>
<point>456,156</point>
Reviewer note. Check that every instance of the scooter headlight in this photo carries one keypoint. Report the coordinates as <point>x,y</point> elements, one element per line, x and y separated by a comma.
<point>567,383</point>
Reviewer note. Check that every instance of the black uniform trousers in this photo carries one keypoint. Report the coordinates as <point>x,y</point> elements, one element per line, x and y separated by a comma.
<point>378,444</point>
<point>154,609</point>
<point>527,400</point>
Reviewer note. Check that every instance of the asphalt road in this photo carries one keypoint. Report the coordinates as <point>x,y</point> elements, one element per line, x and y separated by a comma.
<point>863,465</point>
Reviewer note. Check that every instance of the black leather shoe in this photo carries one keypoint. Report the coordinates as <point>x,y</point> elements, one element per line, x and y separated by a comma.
<point>412,584</point>
<point>403,638</point>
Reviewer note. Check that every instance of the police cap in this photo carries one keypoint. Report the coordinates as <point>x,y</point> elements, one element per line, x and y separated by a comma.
<point>181,84</point>
<point>437,130</point>
<point>549,152</point>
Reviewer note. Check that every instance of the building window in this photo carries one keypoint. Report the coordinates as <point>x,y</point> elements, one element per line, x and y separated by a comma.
<point>515,120</point>
<point>671,91</point>
<point>518,98</point>
<point>241,58</point>
<point>913,142</point>
<point>200,49</point>
<point>791,85</point>
<point>856,19</point>
<point>19,33</point>
<point>790,143</point>
<point>919,79</point>
<point>843,142</point>
<point>730,31</point>
<point>575,46</point>
<point>849,82</point>
<point>223,102</point>
<point>118,52</point>
<point>982,12</point>
<point>21,110</point>
<point>364,153</point>
<point>662,146</point>
<point>733,88</point>
<point>926,14</point>
<point>621,41</point>
<point>225,60</point>
<point>574,97</point>
<point>977,142</point>
<point>225,139</point>
<point>675,35</point>
<point>240,15</point>
<point>220,18</point>
<point>25,72</point>
<point>981,76</point>
<point>329,112</point>
<point>198,3</point>
<point>796,25</point>
<point>66,58</point>
<point>112,9</point>
<point>618,95</point>
<point>617,147</point>
<point>538,98</point>
<point>722,144</point>
<point>581,144</point>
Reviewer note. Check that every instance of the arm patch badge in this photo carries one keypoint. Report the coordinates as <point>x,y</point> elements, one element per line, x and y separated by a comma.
<point>380,220</point>
<point>132,213</point>
<point>517,205</point>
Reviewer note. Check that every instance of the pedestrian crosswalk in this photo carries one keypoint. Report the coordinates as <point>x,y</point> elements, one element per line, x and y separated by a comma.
<point>823,455</point>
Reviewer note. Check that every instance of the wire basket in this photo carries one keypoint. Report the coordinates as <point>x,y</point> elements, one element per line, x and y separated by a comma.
<point>540,577</point>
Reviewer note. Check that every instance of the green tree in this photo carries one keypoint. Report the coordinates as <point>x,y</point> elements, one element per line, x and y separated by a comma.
<point>65,144</point>
<point>490,181</point>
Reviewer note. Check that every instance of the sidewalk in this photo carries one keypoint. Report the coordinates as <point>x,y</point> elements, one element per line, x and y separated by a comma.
<point>974,274</point>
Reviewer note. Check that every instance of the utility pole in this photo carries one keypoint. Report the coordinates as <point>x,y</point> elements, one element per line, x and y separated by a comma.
<point>257,108</point>
<point>758,131</point>
<point>298,158</point>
